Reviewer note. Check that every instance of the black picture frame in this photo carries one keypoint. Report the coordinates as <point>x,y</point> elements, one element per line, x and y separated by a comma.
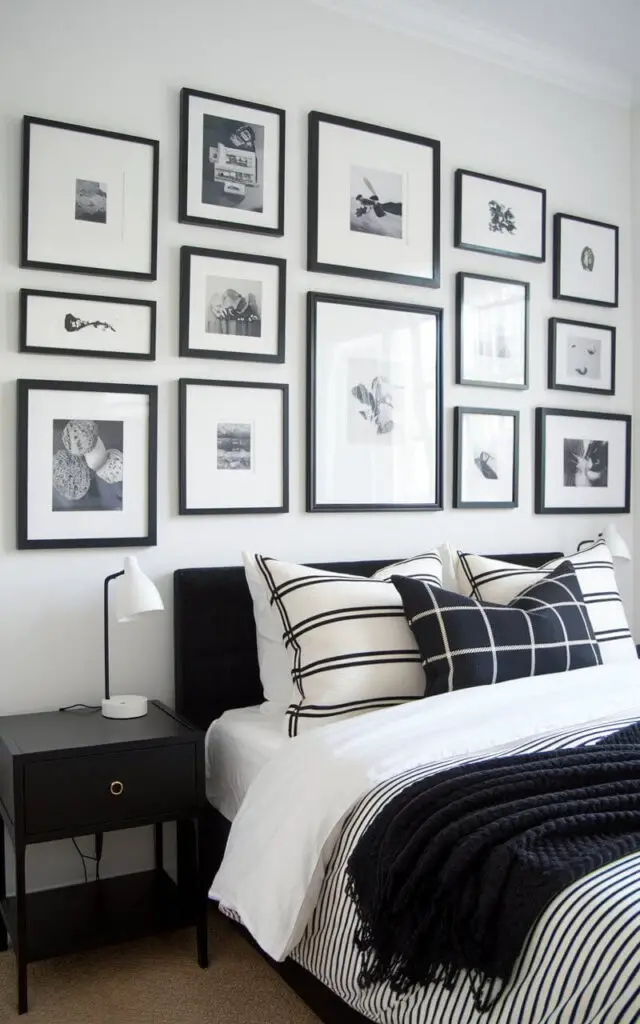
<point>461,339</point>
<point>24,345</point>
<point>315,260</point>
<point>185,509</point>
<point>542,505</point>
<point>493,250</point>
<point>186,96</point>
<point>459,413</point>
<point>313,503</point>
<point>27,258</point>
<point>552,378</point>
<point>560,288</point>
<point>25,534</point>
<point>187,254</point>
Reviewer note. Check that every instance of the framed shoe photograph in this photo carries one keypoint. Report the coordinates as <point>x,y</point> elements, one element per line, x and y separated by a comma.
<point>585,260</point>
<point>582,357</point>
<point>485,468</point>
<point>500,217</point>
<point>492,331</point>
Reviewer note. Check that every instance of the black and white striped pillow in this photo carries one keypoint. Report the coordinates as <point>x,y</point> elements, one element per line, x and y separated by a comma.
<point>352,650</point>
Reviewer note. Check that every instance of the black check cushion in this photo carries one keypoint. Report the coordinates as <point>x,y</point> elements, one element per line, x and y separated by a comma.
<point>464,642</point>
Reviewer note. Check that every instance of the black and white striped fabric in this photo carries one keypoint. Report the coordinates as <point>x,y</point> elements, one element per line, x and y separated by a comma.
<point>489,579</point>
<point>352,649</point>
<point>578,964</point>
<point>464,642</point>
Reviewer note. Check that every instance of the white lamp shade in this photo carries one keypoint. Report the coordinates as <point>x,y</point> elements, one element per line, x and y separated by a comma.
<point>135,593</point>
<point>615,542</point>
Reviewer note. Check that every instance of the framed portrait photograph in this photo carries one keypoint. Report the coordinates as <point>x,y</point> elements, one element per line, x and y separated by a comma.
<point>233,447</point>
<point>231,163</point>
<point>582,357</point>
<point>89,200</point>
<point>63,323</point>
<point>485,468</point>
<point>585,260</point>
<point>374,405</point>
<point>232,305</point>
<point>86,464</point>
<point>583,462</point>
<point>504,218</point>
<point>492,331</point>
<point>374,202</point>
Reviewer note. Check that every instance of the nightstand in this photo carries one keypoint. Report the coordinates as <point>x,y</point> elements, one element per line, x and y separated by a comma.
<point>67,774</point>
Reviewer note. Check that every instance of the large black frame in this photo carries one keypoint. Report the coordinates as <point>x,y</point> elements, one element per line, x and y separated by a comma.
<point>22,465</point>
<point>557,256</point>
<point>25,261</point>
<point>461,277</point>
<point>458,413</point>
<point>551,376</point>
<point>460,174</point>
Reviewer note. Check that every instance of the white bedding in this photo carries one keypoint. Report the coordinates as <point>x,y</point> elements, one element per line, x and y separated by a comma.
<point>237,746</point>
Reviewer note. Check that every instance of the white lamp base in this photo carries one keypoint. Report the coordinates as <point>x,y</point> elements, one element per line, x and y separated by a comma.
<point>128,705</point>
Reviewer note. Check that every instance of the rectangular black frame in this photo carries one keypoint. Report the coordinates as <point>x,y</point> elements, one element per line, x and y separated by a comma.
<point>553,326</point>
<point>461,276</point>
<point>493,250</point>
<point>460,411</point>
<point>557,254</point>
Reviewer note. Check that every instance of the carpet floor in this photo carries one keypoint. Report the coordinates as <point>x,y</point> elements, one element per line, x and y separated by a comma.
<point>156,981</point>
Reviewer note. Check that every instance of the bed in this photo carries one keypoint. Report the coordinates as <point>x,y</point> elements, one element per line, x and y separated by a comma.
<point>216,670</point>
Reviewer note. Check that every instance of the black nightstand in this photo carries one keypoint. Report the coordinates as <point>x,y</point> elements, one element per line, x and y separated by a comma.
<point>64,774</point>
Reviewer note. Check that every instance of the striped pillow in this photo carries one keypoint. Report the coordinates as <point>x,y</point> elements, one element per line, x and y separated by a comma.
<point>488,579</point>
<point>352,650</point>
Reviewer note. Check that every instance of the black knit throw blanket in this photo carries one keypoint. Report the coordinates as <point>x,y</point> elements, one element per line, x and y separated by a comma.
<point>453,871</point>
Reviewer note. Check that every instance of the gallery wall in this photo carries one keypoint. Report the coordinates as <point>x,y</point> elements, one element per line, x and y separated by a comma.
<point>121,66</point>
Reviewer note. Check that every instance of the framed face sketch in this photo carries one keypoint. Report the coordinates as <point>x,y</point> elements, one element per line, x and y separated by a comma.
<point>504,218</point>
<point>582,357</point>
<point>492,331</point>
<point>485,469</point>
<point>585,260</point>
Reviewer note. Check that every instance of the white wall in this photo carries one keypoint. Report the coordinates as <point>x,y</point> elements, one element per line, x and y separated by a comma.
<point>120,65</point>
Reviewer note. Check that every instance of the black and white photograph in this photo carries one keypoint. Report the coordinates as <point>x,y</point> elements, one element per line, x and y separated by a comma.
<point>231,163</point>
<point>70,324</point>
<point>374,405</point>
<point>232,305</point>
<point>485,470</point>
<point>373,202</point>
<point>233,449</point>
<point>585,260</point>
<point>583,462</point>
<point>492,331</point>
<point>501,217</point>
<point>89,200</point>
<point>582,356</point>
<point>91,450</point>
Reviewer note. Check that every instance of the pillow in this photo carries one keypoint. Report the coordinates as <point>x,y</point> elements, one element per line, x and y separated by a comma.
<point>352,650</point>
<point>490,580</point>
<point>466,643</point>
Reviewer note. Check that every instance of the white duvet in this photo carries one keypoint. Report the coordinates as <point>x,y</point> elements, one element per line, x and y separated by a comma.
<point>284,833</point>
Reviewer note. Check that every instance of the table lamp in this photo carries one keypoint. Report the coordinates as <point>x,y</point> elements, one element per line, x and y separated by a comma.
<point>615,542</point>
<point>134,594</point>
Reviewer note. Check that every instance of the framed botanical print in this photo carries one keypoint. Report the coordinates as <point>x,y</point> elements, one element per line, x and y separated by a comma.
<point>86,464</point>
<point>501,217</point>
<point>582,357</point>
<point>63,323</point>
<point>232,305</point>
<point>374,405</point>
<point>492,331</point>
<point>89,200</point>
<point>233,447</point>
<point>485,469</point>
<point>231,163</point>
<point>374,202</point>
<point>583,462</point>
<point>585,260</point>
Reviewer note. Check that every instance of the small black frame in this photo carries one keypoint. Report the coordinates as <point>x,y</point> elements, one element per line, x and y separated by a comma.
<point>458,413</point>
<point>460,339</point>
<point>458,242</point>
<point>558,291</point>
<point>551,378</point>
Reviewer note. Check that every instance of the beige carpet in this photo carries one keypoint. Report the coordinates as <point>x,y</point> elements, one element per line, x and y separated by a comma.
<point>156,981</point>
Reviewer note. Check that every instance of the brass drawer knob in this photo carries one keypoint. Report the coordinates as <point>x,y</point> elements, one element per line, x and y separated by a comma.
<point>116,788</point>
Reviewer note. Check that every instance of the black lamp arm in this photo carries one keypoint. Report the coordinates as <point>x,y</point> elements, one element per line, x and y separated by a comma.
<point>113,576</point>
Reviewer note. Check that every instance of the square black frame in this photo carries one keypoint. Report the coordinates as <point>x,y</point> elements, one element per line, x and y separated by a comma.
<point>551,380</point>
<point>493,250</point>
<point>461,276</point>
<point>557,255</point>
<point>458,413</point>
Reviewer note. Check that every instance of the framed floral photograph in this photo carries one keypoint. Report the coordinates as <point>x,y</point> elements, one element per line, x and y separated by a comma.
<point>374,405</point>
<point>501,217</point>
<point>89,200</point>
<point>67,324</point>
<point>233,447</point>
<point>86,464</point>
<point>485,468</point>
<point>583,462</point>
<point>582,357</point>
<point>231,163</point>
<point>585,260</point>
<point>492,331</point>
<point>373,202</point>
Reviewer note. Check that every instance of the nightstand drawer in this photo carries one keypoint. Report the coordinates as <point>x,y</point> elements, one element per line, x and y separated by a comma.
<point>101,789</point>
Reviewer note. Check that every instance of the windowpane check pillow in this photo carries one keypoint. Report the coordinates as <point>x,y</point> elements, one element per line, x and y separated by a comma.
<point>351,648</point>
<point>489,579</point>
<point>466,643</point>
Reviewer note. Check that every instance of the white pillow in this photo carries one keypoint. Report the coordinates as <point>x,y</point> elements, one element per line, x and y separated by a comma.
<point>488,579</point>
<point>273,657</point>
